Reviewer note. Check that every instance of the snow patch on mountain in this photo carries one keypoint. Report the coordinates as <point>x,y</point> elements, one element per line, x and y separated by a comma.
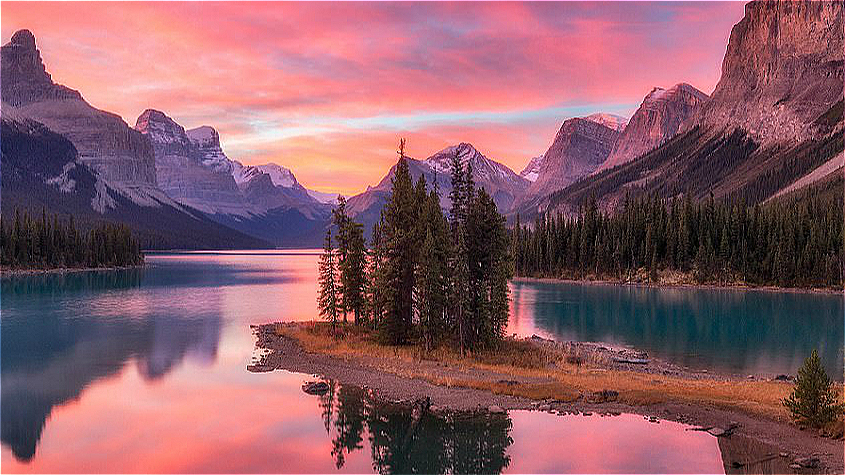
<point>532,170</point>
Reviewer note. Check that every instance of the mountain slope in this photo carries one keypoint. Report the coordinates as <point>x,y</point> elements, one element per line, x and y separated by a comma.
<point>782,70</point>
<point>181,171</point>
<point>658,118</point>
<point>750,141</point>
<point>41,171</point>
<point>579,147</point>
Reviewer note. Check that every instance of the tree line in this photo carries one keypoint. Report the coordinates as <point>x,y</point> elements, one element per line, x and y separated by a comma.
<point>427,276</point>
<point>49,242</point>
<point>791,243</point>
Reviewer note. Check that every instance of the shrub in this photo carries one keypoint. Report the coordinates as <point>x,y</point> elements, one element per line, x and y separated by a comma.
<point>814,402</point>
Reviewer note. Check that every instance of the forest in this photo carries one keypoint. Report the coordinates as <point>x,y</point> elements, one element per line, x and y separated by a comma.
<point>796,242</point>
<point>426,277</point>
<point>51,243</point>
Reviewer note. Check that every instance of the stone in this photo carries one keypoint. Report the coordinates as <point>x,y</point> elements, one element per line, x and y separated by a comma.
<point>606,395</point>
<point>545,407</point>
<point>494,409</point>
<point>807,462</point>
<point>716,432</point>
<point>315,388</point>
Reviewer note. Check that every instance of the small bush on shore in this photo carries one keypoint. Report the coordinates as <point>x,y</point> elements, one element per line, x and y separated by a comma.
<point>814,402</point>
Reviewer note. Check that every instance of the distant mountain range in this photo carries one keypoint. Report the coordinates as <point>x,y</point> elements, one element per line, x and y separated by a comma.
<point>772,125</point>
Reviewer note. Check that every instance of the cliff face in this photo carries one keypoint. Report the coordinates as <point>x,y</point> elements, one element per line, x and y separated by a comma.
<point>180,170</point>
<point>782,70</point>
<point>658,118</point>
<point>579,147</point>
<point>104,141</point>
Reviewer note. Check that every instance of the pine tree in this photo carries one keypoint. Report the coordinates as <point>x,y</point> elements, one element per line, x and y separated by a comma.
<point>814,402</point>
<point>327,301</point>
<point>398,236</point>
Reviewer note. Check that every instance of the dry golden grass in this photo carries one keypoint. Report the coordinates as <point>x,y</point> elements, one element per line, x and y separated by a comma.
<point>545,373</point>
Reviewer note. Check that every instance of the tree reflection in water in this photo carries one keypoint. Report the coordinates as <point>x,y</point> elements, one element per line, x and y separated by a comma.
<point>453,443</point>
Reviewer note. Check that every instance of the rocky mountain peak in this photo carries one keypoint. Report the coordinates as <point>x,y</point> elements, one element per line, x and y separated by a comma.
<point>658,118</point>
<point>160,127</point>
<point>204,136</point>
<point>579,147</point>
<point>783,69</point>
<point>24,77</point>
<point>24,39</point>
<point>611,121</point>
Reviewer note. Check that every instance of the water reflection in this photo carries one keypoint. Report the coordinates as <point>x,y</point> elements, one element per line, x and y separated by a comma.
<point>399,443</point>
<point>51,355</point>
<point>731,331</point>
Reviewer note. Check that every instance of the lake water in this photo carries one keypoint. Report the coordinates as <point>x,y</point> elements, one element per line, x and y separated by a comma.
<point>145,371</point>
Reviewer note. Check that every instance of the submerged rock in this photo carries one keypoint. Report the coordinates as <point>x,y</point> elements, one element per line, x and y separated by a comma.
<point>316,388</point>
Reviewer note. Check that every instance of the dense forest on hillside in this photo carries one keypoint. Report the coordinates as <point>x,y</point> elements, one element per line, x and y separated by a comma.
<point>50,243</point>
<point>791,242</point>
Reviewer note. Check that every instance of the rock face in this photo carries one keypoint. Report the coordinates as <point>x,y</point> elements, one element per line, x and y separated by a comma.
<point>182,172</point>
<point>500,182</point>
<point>579,147</point>
<point>782,70</point>
<point>658,118</point>
<point>611,121</point>
<point>104,141</point>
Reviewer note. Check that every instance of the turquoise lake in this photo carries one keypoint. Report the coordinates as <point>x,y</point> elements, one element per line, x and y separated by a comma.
<point>144,371</point>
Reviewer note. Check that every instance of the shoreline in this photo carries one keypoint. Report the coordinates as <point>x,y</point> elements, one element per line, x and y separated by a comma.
<point>465,386</point>
<point>63,270</point>
<point>687,286</point>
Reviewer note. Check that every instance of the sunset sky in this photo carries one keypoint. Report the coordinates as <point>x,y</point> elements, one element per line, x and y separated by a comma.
<point>326,89</point>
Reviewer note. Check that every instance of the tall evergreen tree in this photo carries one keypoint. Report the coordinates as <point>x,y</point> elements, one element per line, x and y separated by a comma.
<point>327,300</point>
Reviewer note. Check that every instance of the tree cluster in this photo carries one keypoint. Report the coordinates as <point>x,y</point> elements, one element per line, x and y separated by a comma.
<point>427,277</point>
<point>792,243</point>
<point>46,243</point>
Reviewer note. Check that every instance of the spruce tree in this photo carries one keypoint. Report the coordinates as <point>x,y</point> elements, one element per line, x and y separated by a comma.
<point>327,301</point>
<point>814,402</point>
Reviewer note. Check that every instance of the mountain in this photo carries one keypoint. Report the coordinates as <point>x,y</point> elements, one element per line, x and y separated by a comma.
<point>41,170</point>
<point>265,201</point>
<point>658,118</point>
<point>105,143</point>
<point>184,173</point>
<point>772,126</point>
<point>782,70</point>
<point>107,168</point>
<point>579,147</point>
<point>503,185</point>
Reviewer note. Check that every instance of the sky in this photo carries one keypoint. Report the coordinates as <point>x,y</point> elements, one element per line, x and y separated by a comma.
<point>327,89</point>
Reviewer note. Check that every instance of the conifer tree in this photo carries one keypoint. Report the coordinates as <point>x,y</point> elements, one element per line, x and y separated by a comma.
<point>814,402</point>
<point>328,301</point>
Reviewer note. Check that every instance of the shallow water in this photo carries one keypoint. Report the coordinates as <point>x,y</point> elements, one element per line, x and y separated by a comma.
<point>143,370</point>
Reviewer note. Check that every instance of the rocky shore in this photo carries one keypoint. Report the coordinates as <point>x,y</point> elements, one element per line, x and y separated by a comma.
<point>777,444</point>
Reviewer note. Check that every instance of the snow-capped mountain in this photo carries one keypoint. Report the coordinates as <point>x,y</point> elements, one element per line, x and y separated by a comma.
<point>266,201</point>
<point>500,182</point>
<point>108,169</point>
